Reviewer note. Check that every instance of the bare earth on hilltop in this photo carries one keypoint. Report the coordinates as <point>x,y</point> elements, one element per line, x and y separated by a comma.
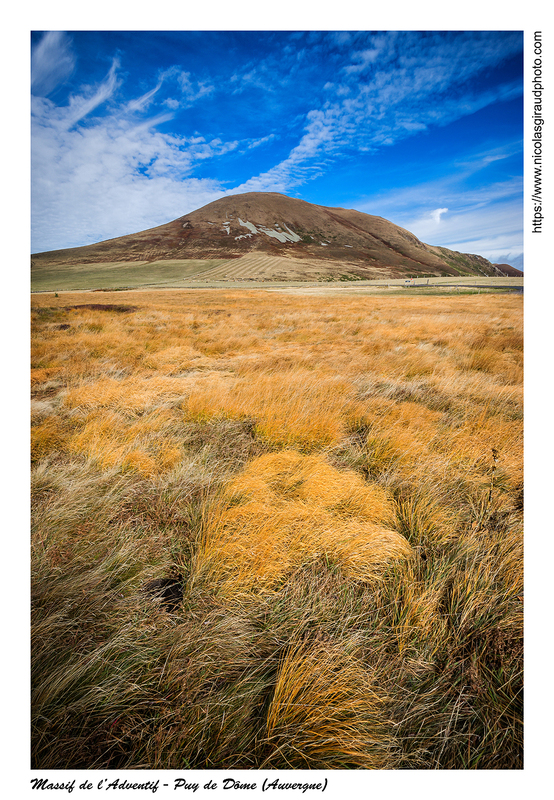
<point>269,236</point>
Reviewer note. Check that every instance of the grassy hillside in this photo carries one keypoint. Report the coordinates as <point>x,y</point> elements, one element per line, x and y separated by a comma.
<point>332,487</point>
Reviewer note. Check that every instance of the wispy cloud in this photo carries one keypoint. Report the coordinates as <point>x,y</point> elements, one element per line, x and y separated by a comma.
<point>52,61</point>
<point>437,213</point>
<point>193,90</point>
<point>362,58</point>
<point>143,102</point>
<point>113,176</point>
<point>417,90</point>
<point>81,105</point>
<point>95,177</point>
<point>263,140</point>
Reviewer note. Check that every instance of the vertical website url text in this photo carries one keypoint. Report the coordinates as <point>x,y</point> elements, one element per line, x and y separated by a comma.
<point>538,123</point>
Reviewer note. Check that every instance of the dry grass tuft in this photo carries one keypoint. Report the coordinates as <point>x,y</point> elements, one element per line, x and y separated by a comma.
<point>324,711</point>
<point>286,509</point>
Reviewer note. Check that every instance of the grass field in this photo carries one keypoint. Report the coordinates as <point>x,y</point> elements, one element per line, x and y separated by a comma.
<point>257,270</point>
<point>117,274</point>
<point>332,485</point>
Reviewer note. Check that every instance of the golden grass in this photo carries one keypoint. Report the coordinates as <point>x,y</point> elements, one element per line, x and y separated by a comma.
<point>286,509</point>
<point>338,483</point>
<point>47,436</point>
<point>278,478</point>
<point>324,709</point>
<point>134,395</point>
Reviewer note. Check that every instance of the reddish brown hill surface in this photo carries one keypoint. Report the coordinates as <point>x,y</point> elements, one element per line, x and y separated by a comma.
<point>508,270</point>
<point>278,225</point>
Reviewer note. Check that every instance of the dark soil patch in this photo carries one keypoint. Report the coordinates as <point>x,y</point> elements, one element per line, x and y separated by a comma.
<point>120,309</point>
<point>169,591</point>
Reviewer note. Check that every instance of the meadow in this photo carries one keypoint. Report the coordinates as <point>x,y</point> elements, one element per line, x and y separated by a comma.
<point>116,274</point>
<point>254,269</point>
<point>334,486</point>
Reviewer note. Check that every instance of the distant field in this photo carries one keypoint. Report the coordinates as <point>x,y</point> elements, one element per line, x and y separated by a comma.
<point>262,268</point>
<point>251,271</point>
<point>115,275</point>
<point>435,286</point>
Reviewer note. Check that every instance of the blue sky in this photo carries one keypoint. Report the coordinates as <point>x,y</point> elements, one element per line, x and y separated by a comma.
<point>133,129</point>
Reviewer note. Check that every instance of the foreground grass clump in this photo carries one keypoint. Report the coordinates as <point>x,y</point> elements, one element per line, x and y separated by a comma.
<point>334,487</point>
<point>285,510</point>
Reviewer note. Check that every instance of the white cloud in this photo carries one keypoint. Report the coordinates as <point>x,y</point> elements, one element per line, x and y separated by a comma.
<point>142,102</point>
<point>112,176</point>
<point>342,37</point>
<point>190,89</point>
<point>263,140</point>
<point>193,90</point>
<point>260,77</point>
<point>437,213</point>
<point>104,174</point>
<point>82,105</point>
<point>84,165</point>
<point>115,175</point>
<point>487,230</point>
<point>399,98</point>
<point>52,62</point>
<point>364,58</point>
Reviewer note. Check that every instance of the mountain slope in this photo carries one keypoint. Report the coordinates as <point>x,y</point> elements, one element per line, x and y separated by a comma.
<point>508,270</point>
<point>276,225</point>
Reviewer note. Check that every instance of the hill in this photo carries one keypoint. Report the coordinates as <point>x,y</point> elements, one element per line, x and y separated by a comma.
<point>273,225</point>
